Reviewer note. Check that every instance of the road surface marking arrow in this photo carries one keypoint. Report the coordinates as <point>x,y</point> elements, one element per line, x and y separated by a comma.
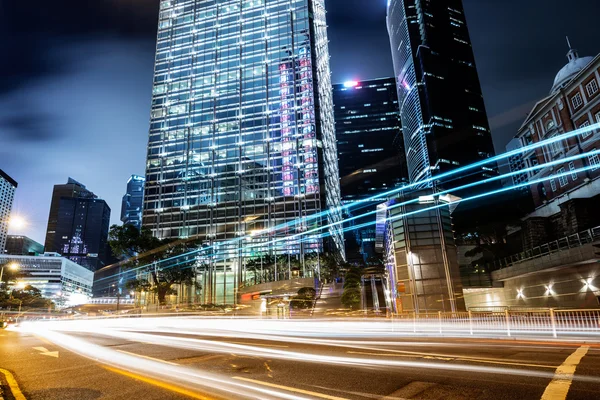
<point>44,351</point>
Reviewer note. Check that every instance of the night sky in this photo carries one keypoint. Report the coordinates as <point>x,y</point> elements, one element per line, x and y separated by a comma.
<point>76,80</point>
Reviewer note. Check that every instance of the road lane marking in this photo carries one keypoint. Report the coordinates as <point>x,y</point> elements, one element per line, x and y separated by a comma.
<point>13,385</point>
<point>558,389</point>
<point>458,358</point>
<point>257,344</point>
<point>45,352</point>
<point>290,389</point>
<point>146,357</point>
<point>154,382</point>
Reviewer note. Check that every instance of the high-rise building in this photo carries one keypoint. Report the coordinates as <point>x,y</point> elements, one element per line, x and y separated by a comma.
<point>19,245</point>
<point>133,202</point>
<point>8,186</point>
<point>370,152</point>
<point>242,136</point>
<point>443,114</point>
<point>72,189</point>
<point>78,226</point>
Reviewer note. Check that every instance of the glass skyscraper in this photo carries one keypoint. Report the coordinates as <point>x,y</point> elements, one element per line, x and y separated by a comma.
<point>133,202</point>
<point>371,152</point>
<point>442,110</point>
<point>242,136</point>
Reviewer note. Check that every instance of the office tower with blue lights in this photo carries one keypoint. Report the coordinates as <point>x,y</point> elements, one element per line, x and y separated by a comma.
<point>371,153</point>
<point>443,114</point>
<point>8,186</point>
<point>133,202</point>
<point>242,148</point>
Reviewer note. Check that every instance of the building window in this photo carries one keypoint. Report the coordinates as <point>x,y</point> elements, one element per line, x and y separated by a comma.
<point>556,147</point>
<point>594,161</point>
<point>574,175</point>
<point>553,184</point>
<point>592,87</point>
<point>598,117</point>
<point>586,134</point>
<point>577,101</point>
<point>550,125</point>
<point>562,178</point>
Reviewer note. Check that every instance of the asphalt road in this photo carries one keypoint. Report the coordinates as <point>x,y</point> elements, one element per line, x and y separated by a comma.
<point>177,358</point>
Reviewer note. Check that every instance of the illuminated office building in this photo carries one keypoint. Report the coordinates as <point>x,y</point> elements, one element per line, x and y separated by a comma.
<point>370,152</point>
<point>133,202</point>
<point>443,114</point>
<point>8,186</point>
<point>242,135</point>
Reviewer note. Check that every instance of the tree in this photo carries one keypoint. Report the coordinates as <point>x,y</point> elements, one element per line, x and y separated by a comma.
<point>139,249</point>
<point>352,291</point>
<point>305,298</point>
<point>26,298</point>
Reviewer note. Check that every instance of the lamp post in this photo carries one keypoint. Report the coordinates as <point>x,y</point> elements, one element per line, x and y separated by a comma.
<point>13,266</point>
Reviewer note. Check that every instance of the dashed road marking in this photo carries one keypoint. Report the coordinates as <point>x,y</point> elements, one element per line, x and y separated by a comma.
<point>558,389</point>
<point>458,358</point>
<point>146,357</point>
<point>290,389</point>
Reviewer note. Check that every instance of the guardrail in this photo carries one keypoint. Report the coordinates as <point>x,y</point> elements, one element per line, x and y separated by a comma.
<point>508,322</point>
<point>567,242</point>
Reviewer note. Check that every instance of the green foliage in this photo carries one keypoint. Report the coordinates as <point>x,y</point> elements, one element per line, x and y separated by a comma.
<point>141,250</point>
<point>307,293</point>
<point>305,298</point>
<point>351,298</point>
<point>29,297</point>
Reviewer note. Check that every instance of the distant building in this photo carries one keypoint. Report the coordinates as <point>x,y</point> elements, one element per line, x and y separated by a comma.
<point>567,204</point>
<point>7,195</point>
<point>370,151</point>
<point>78,226</point>
<point>444,120</point>
<point>72,189</point>
<point>18,245</point>
<point>58,278</point>
<point>133,202</point>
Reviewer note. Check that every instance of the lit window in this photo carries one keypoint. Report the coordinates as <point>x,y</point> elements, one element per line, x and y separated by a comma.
<point>550,125</point>
<point>598,117</point>
<point>574,175</point>
<point>553,185</point>
<point>556,147</point>
<point>562,179</point>
<point>577,100</point>
<point>592,87</point>
<point>586,134</point>
<point>594,161</point>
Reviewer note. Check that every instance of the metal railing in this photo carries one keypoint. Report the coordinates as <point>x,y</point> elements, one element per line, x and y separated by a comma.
<point>507,322</point>
<point>564,243</point>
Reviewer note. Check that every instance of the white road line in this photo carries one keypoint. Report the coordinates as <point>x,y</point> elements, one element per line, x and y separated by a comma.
<point>290,389</point>
<point>146,357</point>
<point>258,344</point>
<point>455,358</point>
<point>558,389</point>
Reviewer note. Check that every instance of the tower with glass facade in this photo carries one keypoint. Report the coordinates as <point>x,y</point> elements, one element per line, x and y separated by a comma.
<point>443,114</point>
<point>8,186</point>
<point>242,154</point>
<point>133,202</point>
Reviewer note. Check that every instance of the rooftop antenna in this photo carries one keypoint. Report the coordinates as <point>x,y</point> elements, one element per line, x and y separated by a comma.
<point>572,54</point>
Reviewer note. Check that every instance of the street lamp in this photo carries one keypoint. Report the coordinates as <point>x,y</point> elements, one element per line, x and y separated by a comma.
<point>13,266</point>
